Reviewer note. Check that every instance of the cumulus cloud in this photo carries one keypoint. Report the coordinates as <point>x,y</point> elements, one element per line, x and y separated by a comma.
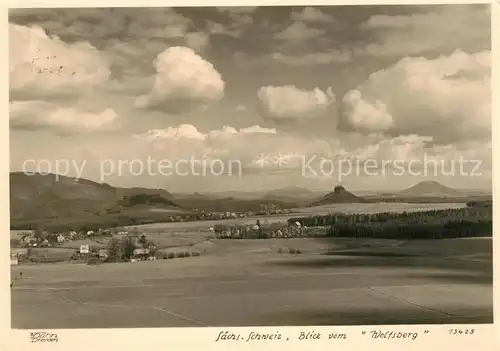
<point>291,103</point>
<point>188,131</point>
<point>312,14</point>
<point>258,129</point>
<point>226,143</point>
<point>364,115</point>
<point>237,22</point>
<point>43,65</point>
<point>33,115</point>
<point>183,81</point>
<point>448,98</point>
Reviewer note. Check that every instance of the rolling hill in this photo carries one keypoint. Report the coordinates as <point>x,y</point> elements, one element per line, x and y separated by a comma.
<point>230,204</point>
<point>292,192</point>
<point>47,196</point>
<point>286,194</point>
<point>429,189</point>
<point>49,199</point>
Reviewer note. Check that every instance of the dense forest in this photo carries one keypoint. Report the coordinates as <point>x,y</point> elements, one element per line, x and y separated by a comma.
<point>476,220</point>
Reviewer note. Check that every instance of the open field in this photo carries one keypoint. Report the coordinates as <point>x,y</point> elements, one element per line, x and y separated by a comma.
<point>248,282</point>
<point>307,211</point>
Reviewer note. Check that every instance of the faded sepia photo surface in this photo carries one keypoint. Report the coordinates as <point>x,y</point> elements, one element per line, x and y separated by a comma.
<point>250,166</point>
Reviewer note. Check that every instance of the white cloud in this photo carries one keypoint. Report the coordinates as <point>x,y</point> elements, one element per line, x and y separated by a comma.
<point>159,23</point>
<point>197,40</point>
<point>41,65</point>
<point>183,81</point>
<point>402,148</point>
<point>316,58</point>
<point>217,28</point>
<point>312,14</point>
<point>258,129</point>
<point>188,131</point>
<point>239,19</point>
<point>365,115</point>
<point>448,98</point>
<point>226,143</point>
<point>42,115</point>
<point>291,103</point>
<point>224,132</point>
<point>444,28</point>
<point>237,9</point>
<point>298,31</point>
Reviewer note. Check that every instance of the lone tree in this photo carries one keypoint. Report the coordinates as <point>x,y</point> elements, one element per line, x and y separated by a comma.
<point>120,250</point>
<point>114,250</point>
<point>39,232</point>
<point>128,247</point>
<point>259,231</point>
<point>143,241</point>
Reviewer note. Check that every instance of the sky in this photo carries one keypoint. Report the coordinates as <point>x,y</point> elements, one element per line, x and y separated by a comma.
<point>253,98</point>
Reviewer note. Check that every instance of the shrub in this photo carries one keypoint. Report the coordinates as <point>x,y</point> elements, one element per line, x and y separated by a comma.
<point>291,250</point>
<point>297,251</point>
<point>280,250</point>
<point>170,255</point>
<point>187,254</point>
<point>179,254</point>
<point>196,254</point>
<point>164,257</point>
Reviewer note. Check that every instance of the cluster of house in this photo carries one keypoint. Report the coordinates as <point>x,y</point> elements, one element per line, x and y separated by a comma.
<point>141,252</point>
<point>47,239</point>
<point>17,254</point>
<point>256,231</point>
<point>266,210</point>
<point>86,250</point>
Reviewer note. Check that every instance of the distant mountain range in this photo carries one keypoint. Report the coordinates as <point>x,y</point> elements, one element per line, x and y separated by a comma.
<point>426,191</point>
<point>292,192</point>
<point>47,196</point>
<point>38,197</point>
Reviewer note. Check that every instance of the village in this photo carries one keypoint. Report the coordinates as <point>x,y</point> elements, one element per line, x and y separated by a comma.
<point>267,231</point>
<point>131,245</point>
<point>198,215</point>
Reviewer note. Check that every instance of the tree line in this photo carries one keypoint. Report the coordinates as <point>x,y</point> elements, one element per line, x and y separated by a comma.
<point>472,221</point>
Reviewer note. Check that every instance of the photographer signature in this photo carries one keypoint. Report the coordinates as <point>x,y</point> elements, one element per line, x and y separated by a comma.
<point>43,337</point>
